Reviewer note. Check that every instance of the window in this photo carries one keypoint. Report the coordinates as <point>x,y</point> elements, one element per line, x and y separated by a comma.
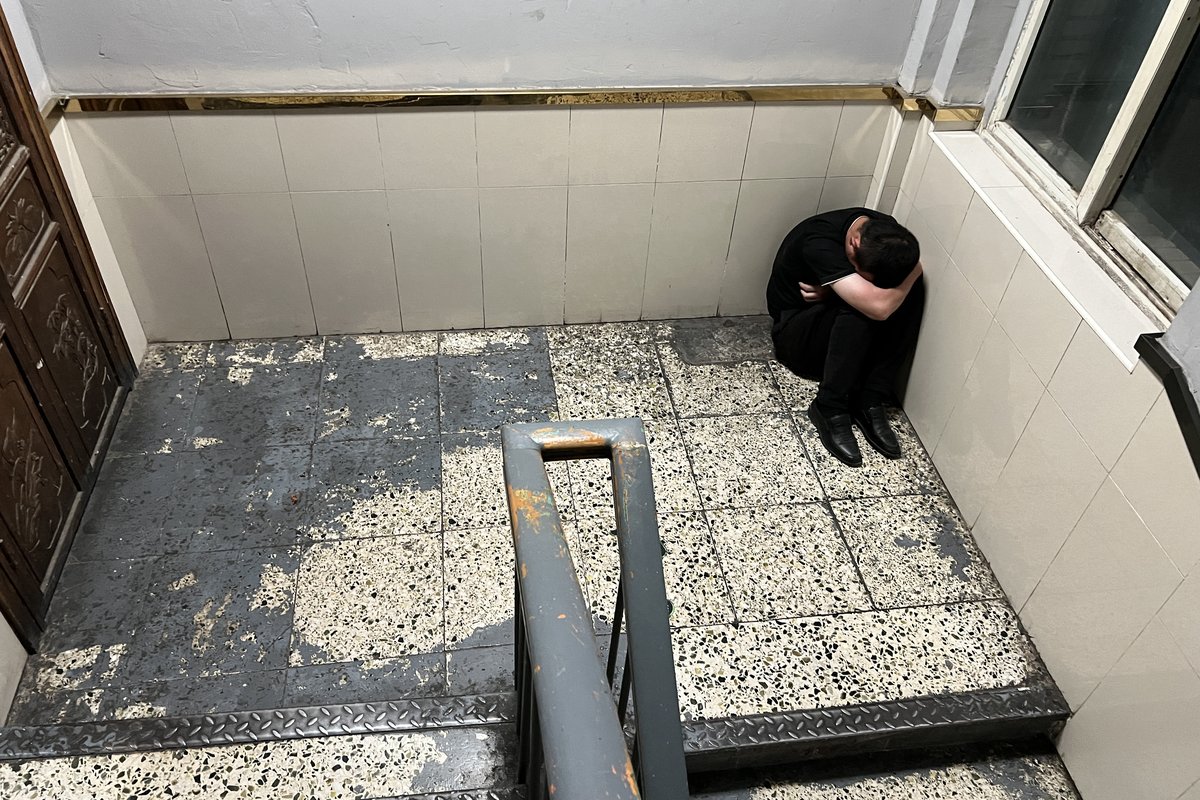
<point>1106,93</point>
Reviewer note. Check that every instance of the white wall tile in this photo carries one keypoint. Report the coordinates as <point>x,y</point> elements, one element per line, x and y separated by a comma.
<point>131,155</point>
<point>1100,397</point>
<point>934,257</point>
<point>1136,736</point>
<point>955,322</point>
<point>978,159</point>
<point>230,152</point>
<point>791,140</point>
<point>704,142</point>
<point>859,138</point>
<point>888,199</point>
<point>524,234</point>
<point>901,135</point>
<point>435,238</point>
<point>843,193</point>
<point>12,662</point>
<point>689,239</point>
<point>943,198</point>
<point>158,244</point>
<point>428,149</point>
<point>902,210</point>
<point>1099,593</point>
<point>1181,616</point>
<point>766,211</point>
<point>608,233</point>
<point>1157,475</point>
<point>991,412</point>
<point>347,251</point>
<point>523,146</point>
<point>986,253</point>
<point>255,253</point>
<point>914,168</point>
<point>330,151</point>
<point>614,144</point>
<point>1043,490</point>
<point>1038,319</point>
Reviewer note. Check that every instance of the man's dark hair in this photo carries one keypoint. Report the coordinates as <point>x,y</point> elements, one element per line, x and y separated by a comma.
<point>888,251</point>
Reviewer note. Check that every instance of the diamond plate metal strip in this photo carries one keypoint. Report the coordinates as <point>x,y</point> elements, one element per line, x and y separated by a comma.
<point>243,727</point>
<point>1039,703</point>
<point>512,793</point>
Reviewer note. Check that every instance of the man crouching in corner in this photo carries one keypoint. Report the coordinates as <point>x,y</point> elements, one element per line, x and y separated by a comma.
<point>846,297</point>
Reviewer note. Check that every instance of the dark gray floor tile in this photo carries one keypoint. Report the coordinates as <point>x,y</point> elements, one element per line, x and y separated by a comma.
<point>238,498</point>
<point>203,695</point>
<point>266,352</point>
<point>722,340</point>
<point>262,404</point>
<point>225,612</point>
<point>124,517</point>
<point>367,681</point>
<point>97,603</point>
<point>355,348</point>
<point>482,392</point>
<point>369,399</point>
<point>158,413</point>
<point>170,356</point>
<point>480,670</point>
<point>56,707</point>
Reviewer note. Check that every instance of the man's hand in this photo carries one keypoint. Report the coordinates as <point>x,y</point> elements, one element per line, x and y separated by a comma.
<point>813,294</point>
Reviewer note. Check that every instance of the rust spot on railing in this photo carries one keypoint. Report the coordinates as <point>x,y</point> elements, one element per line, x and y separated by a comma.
<point>526,504</point>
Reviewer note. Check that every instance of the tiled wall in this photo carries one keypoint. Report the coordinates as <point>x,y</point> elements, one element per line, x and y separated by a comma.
<point>275,224</point>
<point>1075,479</point>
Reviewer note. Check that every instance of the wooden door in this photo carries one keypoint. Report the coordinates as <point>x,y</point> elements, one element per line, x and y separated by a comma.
<point>64,365</point>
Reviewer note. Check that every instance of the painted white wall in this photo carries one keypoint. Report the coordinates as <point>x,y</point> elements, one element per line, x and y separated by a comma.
<point>172,46</point>
<point>12,661</point>
<point>14,13</point>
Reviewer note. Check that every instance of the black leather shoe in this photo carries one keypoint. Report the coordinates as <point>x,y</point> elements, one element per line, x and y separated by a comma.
<point>837,434</point>
<point>874,424</point>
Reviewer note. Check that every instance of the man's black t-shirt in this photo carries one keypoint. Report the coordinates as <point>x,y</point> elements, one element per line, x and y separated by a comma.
<point>813,253</point>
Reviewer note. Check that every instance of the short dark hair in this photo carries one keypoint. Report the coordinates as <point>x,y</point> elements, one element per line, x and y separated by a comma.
<point>888,251</point>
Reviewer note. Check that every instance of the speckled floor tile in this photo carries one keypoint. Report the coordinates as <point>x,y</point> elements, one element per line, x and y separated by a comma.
<point>473,483</point>
<point>204,695</point>
<point>749,461</point>
<point>608,372</point>
<point>421,675</point>
<point>847,659</point>
<point>914,550</point>
<point>72,670</point>
<point>674,487</point>
<point>239,498</point>
<point>367,399</point>
<point>798,393</point>
<point>492,340</point>
<point>479,587</point>
<point>158,413</point>
<point>33,706</point>
<point>480,670</point>
<point>125,515</point>
<point>786,561</point>
<point>380,487</point>
<point>482,392</point>
<point>719,389</point>
<point>364,599</point>
<point>913,473</point>
<point>266,352</point>
<point>341,350</point>
<point>228,611</point>
<point>720,340</point>
<point>171,356</point>
<point>361,766</point>
<point>263,404</point>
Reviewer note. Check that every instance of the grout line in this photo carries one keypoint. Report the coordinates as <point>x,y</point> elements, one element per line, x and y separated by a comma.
<point>211,268</point>
<point>387,205</point>
<point>736,202</point>
<point>312,304</point>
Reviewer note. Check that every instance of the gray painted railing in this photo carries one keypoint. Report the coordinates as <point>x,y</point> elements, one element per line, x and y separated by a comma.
<point>572,740</point>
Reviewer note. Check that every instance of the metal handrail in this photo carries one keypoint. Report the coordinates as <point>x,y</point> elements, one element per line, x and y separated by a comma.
<point>572,741</point>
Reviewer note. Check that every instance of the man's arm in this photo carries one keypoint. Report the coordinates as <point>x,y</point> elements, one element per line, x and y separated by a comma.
<point>867,298</point>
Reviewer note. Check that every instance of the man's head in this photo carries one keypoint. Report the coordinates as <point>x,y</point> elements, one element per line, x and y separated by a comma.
<point>884,252</point>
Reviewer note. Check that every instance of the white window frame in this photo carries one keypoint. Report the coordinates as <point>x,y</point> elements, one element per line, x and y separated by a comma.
<point>1087,209</point>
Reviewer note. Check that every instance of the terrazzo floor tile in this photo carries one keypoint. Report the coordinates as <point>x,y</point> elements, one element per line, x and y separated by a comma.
<point>342,350</point>
<point>798,393</point>
<point>608,372</point>
<point>674,486</point>
<point>914,550</point>
<point>158,413</point>
<point>171,356</point>
<point>204,695</point>
<point>847,659</point>
<point>749,461</point>
<point>363,599</point>
<point>913,473</point>
<point>266,352</point>
<point>479,587</point>
<point>377,487</point>
<point>227,612</point>
<point>125,515</point>
<point>491,340</point>
<point>482,392</point>
<point>786,561</point>
<point>480,670</point>
<point>239,498</point>
<point>362,766</point>
<point>257,403</point>
<point>40,707</point>
<point>372,398</point>
<point>473,483</point>
<point>696,588</point>
<point>381,679</point>
<point>705,389</point>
